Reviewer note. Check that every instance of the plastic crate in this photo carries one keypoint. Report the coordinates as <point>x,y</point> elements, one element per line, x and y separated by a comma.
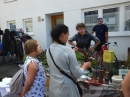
<point>108,56</point>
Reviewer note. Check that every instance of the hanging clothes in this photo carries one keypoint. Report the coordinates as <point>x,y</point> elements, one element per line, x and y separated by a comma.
<point>6,40</point>
<point>19,49</point>
<point>24,38</point>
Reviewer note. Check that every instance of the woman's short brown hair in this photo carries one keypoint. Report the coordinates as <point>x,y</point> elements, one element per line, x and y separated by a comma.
<point>30,46</point>
<point>80,25</point>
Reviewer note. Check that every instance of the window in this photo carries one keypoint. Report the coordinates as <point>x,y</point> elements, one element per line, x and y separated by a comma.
<point>111,19</point>
<point>90,19</point>
<point>12,25</point>
<point>127,18</point>
<point>28,25</point>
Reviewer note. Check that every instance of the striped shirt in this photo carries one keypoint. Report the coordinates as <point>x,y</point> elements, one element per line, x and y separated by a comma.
<point>84,41</point>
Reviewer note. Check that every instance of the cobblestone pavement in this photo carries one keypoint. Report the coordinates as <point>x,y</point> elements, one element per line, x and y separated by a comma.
<point>7,69</point>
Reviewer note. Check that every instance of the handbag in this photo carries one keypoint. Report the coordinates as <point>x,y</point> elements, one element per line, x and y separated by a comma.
<point>76,83</point>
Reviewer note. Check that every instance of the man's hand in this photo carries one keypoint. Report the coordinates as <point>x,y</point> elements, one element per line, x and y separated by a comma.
<point>91,49</point>
<point>75,48</point>
<point>86,65</point>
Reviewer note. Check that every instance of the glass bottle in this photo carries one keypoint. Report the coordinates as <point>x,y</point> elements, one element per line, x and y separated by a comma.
<point>107,78</point>
<point>94,78</point>
<point>122,67</point>
<point>101,76</point>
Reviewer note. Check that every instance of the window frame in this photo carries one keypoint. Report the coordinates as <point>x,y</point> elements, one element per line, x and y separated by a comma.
<point>24,26</point>
<point>121,7</point>
<point>8,23</point>
<point>124,17</point>
<point>6,1</point>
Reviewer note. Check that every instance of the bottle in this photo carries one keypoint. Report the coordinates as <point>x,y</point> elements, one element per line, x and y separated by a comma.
<point>8,54</point>
<point>94,78</point>
<point>101,76</point>
<point>122,67</point>
<point>107,79</point>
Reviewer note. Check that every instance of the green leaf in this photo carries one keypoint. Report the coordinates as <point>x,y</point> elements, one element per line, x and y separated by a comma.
<point>79,56</point>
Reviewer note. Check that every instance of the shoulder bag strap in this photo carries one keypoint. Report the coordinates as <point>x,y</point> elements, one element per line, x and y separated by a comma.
<point>60,69</point>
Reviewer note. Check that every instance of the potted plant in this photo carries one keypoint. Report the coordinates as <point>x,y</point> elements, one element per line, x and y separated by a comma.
<point>80,57</point>
<point>41,57</point>
<point>125,63</point>
<point>94,66</point>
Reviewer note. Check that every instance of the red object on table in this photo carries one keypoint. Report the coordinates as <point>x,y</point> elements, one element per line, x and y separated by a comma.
<point>94,83</point>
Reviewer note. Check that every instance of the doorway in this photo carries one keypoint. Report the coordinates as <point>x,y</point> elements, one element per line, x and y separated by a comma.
<point>57,19</point>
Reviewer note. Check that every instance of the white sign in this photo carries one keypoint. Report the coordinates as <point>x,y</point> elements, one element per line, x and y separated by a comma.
<point>123,72</point>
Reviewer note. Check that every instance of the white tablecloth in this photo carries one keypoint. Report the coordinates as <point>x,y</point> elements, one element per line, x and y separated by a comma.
<point>4,86</point>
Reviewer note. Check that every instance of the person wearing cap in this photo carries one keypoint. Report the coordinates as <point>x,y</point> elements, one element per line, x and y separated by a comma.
<point>101,31</point>
<point>83,38</point>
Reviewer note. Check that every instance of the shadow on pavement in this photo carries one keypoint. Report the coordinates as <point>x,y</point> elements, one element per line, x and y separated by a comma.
<point>7,69</point>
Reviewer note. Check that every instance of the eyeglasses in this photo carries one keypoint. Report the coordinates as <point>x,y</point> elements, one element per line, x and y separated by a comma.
<point>100,21</point>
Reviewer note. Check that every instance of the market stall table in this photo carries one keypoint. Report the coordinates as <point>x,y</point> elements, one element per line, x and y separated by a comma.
<point>91,89</point>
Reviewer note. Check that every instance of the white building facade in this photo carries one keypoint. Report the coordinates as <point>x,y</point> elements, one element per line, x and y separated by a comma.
<point>37,17</point>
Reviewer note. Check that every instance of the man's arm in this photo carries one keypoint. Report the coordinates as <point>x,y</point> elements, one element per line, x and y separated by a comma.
<point>95,45</point>
<point>125,84</point>
<point>96,40</point>
<point>71,43</point>
<point>70,40</point>
<point>92,32</point>
<point>106,36</point>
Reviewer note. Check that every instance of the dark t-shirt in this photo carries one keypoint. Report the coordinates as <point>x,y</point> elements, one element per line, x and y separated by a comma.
<point>100,31</point>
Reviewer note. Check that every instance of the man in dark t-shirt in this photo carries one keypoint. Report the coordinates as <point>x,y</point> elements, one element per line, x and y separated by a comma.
<point>101,31</point>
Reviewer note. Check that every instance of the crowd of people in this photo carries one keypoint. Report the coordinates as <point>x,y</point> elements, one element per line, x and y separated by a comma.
<point>64,68</point>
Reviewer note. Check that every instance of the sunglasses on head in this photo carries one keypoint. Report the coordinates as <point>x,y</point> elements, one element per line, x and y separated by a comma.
<point>100,20</point>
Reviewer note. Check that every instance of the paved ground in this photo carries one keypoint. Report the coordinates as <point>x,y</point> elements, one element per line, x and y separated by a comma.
<point>8,69</point>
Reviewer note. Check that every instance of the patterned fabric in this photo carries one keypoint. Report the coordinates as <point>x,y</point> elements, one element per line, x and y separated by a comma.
<point>38,87</point>
<point>90,90</point>
<point>110,91</point>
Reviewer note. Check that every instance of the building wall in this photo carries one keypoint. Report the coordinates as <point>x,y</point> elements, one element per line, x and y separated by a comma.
<point>73,14</point>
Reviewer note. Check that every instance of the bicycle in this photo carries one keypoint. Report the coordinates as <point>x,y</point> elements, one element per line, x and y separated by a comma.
<point>103,48</point>
<point>113,69</point>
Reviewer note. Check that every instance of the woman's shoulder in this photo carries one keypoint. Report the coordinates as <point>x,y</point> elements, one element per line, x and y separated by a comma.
<point>30,59</point>
<point>61,48</point>
<point>66,48</point>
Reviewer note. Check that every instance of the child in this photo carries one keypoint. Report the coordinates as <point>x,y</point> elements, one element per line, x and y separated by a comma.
<point>34,75</point>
